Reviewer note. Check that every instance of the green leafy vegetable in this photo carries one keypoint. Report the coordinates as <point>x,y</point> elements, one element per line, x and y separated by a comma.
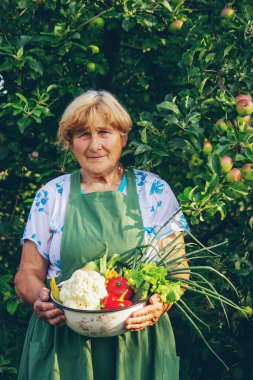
<point>150,278</point>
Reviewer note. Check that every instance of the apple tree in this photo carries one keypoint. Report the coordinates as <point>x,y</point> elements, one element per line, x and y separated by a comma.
<point>183,69</point>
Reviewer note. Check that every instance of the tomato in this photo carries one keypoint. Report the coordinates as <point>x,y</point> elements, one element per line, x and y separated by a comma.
<point>119,285</point>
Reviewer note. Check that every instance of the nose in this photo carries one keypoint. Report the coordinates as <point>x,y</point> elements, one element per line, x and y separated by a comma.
<point>95,142</point>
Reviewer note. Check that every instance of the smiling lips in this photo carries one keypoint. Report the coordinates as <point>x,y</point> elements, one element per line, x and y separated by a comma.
<point>95,157</point>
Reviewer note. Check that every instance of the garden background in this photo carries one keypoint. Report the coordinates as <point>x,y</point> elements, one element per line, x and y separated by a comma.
<point>176,80</point>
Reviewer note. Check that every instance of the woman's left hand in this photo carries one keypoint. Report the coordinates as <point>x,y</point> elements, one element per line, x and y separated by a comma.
<point>148,315</point>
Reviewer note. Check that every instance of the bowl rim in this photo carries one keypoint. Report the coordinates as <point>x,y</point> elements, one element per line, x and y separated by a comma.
<point>103,311</point>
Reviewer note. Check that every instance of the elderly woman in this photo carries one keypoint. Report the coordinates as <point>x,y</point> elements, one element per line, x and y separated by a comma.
<point>70,220</point>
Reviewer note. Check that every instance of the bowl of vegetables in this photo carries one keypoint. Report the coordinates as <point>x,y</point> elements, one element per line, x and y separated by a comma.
<point>97,300</point>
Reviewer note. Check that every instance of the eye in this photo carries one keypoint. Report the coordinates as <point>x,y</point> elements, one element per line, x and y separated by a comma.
<point>104,132</point>
<point>84,134</point>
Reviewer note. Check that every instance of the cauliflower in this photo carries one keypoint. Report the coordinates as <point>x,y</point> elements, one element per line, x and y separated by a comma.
<point>84,290</point>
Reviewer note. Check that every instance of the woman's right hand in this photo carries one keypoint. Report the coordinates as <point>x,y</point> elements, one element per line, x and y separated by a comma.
<point>47,310</point>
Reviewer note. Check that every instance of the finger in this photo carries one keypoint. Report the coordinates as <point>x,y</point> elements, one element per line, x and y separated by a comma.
<point>44,294</point>
<point>53,317</point>
<point>143,319</point>
<point>150,309</point>
<point>141,325</point>
<point>51,314</point>
<point>59,320</point>
<point>155,298</point>
<point>43,306</point>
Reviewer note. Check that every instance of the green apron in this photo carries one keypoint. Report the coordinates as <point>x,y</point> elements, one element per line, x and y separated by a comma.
<point>58,353</point>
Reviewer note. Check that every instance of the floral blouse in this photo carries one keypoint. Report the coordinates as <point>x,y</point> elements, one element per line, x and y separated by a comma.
<point>46,219</point>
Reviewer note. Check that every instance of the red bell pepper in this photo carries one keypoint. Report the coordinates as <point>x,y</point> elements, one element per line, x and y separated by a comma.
<point>112,301</point>
<point>119,285</point>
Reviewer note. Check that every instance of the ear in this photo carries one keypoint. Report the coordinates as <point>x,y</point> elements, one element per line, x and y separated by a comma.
<point>124,140</point>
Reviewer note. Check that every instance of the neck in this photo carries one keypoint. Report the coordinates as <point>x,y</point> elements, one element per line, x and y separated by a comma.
<point>101,182</point>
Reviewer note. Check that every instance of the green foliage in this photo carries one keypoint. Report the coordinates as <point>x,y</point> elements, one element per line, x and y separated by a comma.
<point>176,86</point>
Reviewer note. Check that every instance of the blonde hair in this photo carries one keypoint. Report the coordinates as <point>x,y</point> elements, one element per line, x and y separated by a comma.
<point>86,110</point>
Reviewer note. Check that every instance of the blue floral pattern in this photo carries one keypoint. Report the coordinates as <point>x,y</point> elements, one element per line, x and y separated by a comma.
<point>45,223</point>
<point>59,187</point>
<point>41,200</point>
<point>156,188</point>
<point>140,178</point>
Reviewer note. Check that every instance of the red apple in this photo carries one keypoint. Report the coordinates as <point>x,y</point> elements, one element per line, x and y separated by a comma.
<point>207,147</point>
<point>175,26</point>
<point>247,172</point>
<point>244,107</point>
<point>227,13</point>
<point>226,163</point>
<point>221,125</point>
<point>243,96</point>
<point>234,175</point>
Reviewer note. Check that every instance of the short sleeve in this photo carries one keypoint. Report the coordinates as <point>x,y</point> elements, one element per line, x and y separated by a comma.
<point>168,218</point>
<point>38,225</point>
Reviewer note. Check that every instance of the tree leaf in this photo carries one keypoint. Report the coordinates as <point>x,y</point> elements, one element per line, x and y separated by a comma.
<point>239,187</point>
<point>142,148</point>
<point>23,123</point>
<point>168,106</point>
<point>144,136</point>
<point>20,52</point>
<point>193,117</point>
<point>12,306</point>
<point>128,24</point>
<point>214,163</point>
<point>21,97</point>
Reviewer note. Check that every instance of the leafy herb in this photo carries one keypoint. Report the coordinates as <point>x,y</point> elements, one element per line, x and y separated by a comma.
<point>151,278</point>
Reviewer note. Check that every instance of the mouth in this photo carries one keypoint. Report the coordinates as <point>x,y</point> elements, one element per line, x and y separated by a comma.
<point>95,157</point>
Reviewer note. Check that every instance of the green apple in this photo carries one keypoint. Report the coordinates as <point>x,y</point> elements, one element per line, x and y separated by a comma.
<point>226,163</point>
<point>243,119</point>
<point>234,175</point>
<point>91,67</point>
<point>175,26</point>
<point>207,147</point>
<point>247,172</point>
<point>244,107</point>
<point>227,13</point>
<point>221,125</point>
<point>97,23</point>
<point>195,160</point>
<point>59,28</point>
<point>243,122</point>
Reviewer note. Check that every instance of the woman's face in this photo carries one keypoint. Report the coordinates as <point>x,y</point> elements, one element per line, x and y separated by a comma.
<point>98,149</point>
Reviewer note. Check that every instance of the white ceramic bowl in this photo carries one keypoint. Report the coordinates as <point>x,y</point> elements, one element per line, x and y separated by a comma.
<point>98,323</point>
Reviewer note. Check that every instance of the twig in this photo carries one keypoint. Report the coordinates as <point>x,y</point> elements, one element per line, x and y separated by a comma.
<point>53,101</point>
<point>131,46</point>
<point>219,84</point>
<point>93,18</point>
<point>234,123</point>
